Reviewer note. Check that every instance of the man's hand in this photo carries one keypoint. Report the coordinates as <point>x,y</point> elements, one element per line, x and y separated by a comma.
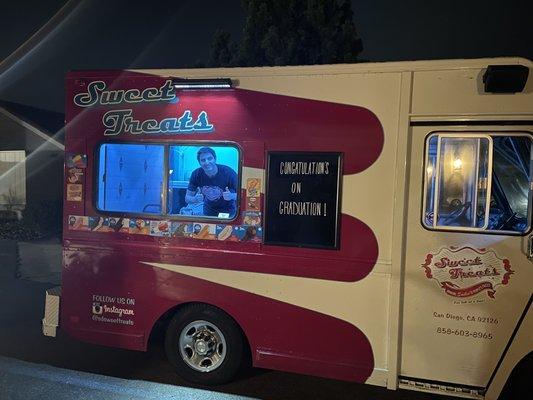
<point>194,197</point>
<point>228,196</point>
<point>199,197</point>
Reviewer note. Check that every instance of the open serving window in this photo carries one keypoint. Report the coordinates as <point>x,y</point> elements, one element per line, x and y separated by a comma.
<point>177,180</point>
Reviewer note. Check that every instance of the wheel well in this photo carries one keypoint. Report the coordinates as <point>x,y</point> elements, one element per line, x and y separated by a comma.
<point>157,333</point>
<point>518,379</point>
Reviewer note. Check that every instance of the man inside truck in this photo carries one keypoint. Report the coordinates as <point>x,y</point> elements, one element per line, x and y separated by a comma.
<point>213,184</point>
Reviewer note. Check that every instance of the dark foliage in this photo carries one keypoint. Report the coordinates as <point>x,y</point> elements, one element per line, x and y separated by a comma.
<point>290,32</point>
<point>38,221</point>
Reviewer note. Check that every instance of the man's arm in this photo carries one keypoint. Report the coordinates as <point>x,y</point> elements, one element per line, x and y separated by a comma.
<point>194,197</point>
<point>233,181</point>
<point>230,192</point>
<point>193,194</point>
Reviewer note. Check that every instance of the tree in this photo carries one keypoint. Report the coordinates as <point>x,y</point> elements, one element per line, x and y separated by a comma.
<point>222,50</point>
<point>290,32</point>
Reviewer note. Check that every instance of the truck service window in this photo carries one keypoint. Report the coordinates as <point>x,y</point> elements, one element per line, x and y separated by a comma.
<point>203,181</point>
<point>478,182</point>
<point>130,178</point>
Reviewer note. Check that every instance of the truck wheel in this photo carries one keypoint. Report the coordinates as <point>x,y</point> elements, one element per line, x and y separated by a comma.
<point>204,344</point>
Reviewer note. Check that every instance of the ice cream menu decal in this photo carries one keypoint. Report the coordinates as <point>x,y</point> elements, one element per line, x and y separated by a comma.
<point>302,203</point>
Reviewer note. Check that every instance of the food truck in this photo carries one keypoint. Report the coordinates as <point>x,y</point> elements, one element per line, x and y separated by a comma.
<point>362,222</point>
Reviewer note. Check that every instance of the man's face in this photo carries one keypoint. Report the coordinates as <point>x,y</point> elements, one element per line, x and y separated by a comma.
<point>207,162</point>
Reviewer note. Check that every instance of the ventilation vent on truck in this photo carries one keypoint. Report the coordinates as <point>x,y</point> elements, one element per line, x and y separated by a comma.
<point>469,392</point>
<point>505,78</point>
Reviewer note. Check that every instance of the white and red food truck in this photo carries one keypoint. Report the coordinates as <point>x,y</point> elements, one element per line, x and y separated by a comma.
<point>366,222</point>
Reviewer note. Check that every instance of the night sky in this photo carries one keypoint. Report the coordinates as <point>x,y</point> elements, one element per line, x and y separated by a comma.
<point>99,34</point>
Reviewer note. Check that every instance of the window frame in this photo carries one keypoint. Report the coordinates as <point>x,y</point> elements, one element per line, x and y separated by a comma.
<point>472,134</point>
<point>164,215</point>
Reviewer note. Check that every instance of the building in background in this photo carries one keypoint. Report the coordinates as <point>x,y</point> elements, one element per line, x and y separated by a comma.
<point>31,157</point>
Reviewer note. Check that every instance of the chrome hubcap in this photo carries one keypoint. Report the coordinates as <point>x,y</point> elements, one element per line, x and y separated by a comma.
<point>202,346</point>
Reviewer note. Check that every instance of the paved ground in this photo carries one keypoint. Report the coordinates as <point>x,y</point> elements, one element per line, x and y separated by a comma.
<point>20,380</point>
<point>27,358</point>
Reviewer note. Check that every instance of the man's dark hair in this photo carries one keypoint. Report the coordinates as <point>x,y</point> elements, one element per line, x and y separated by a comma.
<point>206,150</point>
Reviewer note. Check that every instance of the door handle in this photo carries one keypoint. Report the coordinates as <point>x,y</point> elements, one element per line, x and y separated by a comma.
<point>530,247</point>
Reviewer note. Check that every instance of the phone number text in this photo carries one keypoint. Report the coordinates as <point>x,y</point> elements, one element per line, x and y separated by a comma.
<point>465,333</point>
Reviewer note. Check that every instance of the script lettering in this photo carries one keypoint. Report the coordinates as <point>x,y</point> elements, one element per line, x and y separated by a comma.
<point>98,95</point>
<point>122,121</point>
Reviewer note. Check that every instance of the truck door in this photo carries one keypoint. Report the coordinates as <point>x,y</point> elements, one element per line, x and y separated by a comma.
<point>467,276</point>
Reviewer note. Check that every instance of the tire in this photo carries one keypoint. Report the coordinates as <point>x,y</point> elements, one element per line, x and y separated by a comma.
<point>204,344</point>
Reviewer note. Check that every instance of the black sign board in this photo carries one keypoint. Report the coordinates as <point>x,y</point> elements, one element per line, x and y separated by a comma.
<point>302,199</point>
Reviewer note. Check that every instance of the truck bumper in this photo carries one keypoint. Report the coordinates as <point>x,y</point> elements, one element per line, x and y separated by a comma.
<point>51,311</point>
